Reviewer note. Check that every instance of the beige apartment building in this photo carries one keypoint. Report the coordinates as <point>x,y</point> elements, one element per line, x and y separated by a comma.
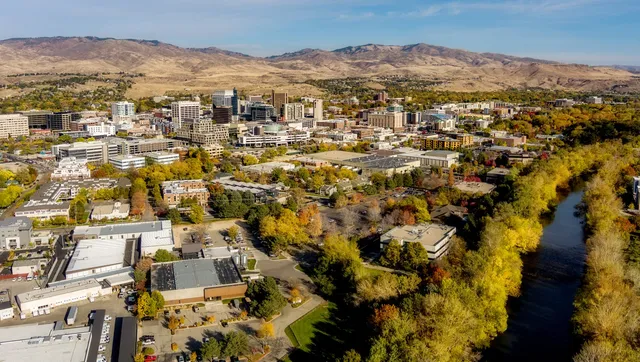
<point>393,120</point>
<point>13,125</point>
<point>292,111</point>
<point>184,110</point>
<point>173,192</point>
<point>203,132</point>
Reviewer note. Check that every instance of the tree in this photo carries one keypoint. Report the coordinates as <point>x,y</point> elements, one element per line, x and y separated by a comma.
<point>210,350</point>
<point>173,323</point>
<point>193,357</point>
<point>147,351</point>
<point>392,254</point>
<point>451,180</point>
<point>138,202</point>
<point>174,216</point>
<point>233,232</point>
<point>158,299</point>
<point>248,160</point>
<point>266,330</point>
<point>139,357</point>
<point>266,299</point>
<point>351,356</point>
<point>385,313</point>
<point>197,214</point>
<point>163,256</point>
<point>174,346</point>
<point>235,344</point>
<point>146,306</point>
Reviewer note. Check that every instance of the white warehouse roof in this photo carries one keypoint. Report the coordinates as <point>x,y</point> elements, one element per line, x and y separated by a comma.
<point>97,253</point>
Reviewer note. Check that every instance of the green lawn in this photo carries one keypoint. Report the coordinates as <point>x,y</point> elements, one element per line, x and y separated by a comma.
<point>373,272</point>
<point>301,332</point>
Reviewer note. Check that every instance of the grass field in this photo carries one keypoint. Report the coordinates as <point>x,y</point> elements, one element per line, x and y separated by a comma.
<point>302,331</point>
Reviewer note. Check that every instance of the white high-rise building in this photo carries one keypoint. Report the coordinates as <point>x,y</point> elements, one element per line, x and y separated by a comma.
<point>317,110</point>
<point>184,110</point>
<point>13,125</point>
<point>222,98</point>
<point>122,112</point>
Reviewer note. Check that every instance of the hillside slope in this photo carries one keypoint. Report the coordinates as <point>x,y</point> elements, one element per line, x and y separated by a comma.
<point>169,67</point>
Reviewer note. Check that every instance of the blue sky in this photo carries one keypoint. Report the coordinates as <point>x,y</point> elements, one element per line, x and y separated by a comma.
<point>581,31</point>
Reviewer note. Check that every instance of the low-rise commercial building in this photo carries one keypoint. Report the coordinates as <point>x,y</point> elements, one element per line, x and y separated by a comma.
<point>214,149</point>
<point>173,192</point>
<point>151,236</point>
<point>434,238</point>
<point>110,210</point>
<point>268,167</point>
<point>28,266</point>
<point>197,280</point>
<point>127,162</point>
<point>449,142</point>
<point>15,232</point>
<point>37,302</point>
<point>48,342</point>
<point>95,256</point>
<point>497,175</point>
<point>71,168</point>
<point>95,151</point>
<point>393,120</point>
<point>13,125</point>
<point>51,199</point>
<point>162,158</point>
<point>138,146</point>
<point>511,141</point>
<point>444,159</point>
<point>6,307</point>
<point>261,192</point>
<point>273,138</point>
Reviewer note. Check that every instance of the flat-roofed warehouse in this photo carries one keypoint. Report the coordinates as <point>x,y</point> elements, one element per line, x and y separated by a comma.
<point>45,342</point>
<point>197,280</point>
<point>96,256</point>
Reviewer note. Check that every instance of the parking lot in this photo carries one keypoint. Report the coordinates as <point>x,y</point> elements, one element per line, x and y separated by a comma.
<point>217,230</point>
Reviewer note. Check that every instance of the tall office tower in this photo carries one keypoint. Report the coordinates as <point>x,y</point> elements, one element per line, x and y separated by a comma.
<point>235,103</point>
<point>222,98</point>
<point>317,110</point>
<point>182,110</point>
<point>221,114</point>
<point>278,100</point>
<point>13,125</point>
<point>122,111</point>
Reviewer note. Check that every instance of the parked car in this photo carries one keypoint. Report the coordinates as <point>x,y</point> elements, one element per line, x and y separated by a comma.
<point>107,317</point>
<point>101,348</point>
<point>180,358</point>
<point>177,311</point>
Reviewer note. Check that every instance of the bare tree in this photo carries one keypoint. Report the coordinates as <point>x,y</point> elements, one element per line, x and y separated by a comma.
<point>374,212</point>
<point>349,219</point>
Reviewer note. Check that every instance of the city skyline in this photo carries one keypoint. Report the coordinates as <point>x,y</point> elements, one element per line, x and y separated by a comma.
<point>595,32</point>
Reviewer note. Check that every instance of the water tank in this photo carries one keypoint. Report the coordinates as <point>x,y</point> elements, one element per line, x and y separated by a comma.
<point>236,259</point>
<point>243,260</point>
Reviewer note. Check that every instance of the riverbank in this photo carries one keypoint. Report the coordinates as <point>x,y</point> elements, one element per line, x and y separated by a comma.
<point>541,315</point>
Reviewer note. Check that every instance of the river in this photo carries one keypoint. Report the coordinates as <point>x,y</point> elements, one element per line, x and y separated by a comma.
<point>539,326</point>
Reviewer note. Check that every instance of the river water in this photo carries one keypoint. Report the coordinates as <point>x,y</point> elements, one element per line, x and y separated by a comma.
<point>539,325</point>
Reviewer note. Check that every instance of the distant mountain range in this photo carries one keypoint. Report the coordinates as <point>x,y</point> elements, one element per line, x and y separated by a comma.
<point>169,67</point>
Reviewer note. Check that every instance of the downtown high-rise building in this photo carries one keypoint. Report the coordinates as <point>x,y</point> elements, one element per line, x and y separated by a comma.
<point>182,110</point>
<point>278,100</point>
<point>122,112</point>
<point>317,110</point>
